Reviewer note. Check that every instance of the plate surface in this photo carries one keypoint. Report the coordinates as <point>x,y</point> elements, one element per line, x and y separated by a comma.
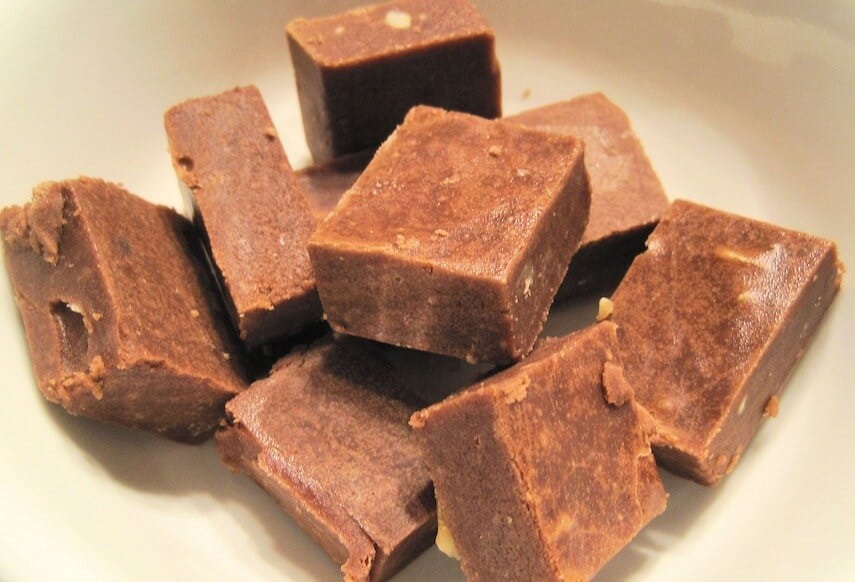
<point>747,106</point>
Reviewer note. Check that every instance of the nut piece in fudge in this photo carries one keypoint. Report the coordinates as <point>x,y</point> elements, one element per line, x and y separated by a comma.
<point>251,210</point>
<point>121,317</point>
<point>543,471</point>
<point>326,435</point>
<point>627,198</point>
<point>359,72</point>
<point>712,319</point>
<point>455,237</point>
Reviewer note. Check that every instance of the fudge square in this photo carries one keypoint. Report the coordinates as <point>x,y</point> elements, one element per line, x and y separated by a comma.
<point>251,210</point>
<point>359,72</point>
<point>455,237</point>
<point>627,198</point>
<point>544,471</point>
<point>326,435</point>
<point>122,321</point>
<point>712,319</point>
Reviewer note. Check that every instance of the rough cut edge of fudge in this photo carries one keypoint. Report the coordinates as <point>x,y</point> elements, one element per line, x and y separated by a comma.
<point>338,406</point>
<point>448,275</point>
<point>250,209</point>
<point>543,471</point>
<point>627,198</point>
<point>121,319</point>
<point>712,319</point>
<point>359,72</point>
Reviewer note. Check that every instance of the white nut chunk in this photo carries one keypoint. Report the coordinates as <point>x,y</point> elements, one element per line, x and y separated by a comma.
<point>398,19</point>
<point>605,309</point>
<point>444,540</point>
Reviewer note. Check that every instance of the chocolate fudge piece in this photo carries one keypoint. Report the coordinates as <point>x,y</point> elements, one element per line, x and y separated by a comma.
<point>251,210</point>
<point>627,198</point>
<point>120,317</point>
<point>544,471</point>
<point>455,237</point>
<point>326,435</point>
<point>325,184</point>
<point>359,72</point>
<point>712,319</point>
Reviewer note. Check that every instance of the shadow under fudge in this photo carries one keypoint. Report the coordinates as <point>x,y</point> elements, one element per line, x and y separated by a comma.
<point>687,502</point>
<point>153,465</point>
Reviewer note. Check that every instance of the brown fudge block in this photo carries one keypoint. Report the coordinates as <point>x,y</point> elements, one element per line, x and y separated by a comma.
<point>326,435</point>
<point>627,198</point>
<point>544,471</point>
<point>121,318</point>
<point>251,210</point>
<point>455,237</point>
<point>712,319</point>
<point>359,72</point>
<point>325,184</point>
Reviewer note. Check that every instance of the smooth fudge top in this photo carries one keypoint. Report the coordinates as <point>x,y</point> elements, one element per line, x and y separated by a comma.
<point>108,282</point>
<point>371,32</point>
<point>625,190</point>
<point>457,192</point>
<point>543,471</point>
<point>331,424</point>
<point>251,206</point>
<point>698,313</point>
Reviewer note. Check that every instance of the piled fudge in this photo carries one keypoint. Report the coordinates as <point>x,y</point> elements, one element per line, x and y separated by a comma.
<point>359,72</point>
<point>251,210</point>
<point>452,239</point>
<point>712,319</point>
<point>455,237</point>
<point>326,434</point>
<point>544,471</point>
<point>121,319</point>
<point>627,198</point>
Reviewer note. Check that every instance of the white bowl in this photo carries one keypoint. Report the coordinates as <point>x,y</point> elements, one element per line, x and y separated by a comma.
<point>747,106</point>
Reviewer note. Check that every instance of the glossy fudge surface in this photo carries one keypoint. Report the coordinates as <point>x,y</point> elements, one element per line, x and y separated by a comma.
<point>627,198</point>
<point>455,238</point>
<point>359,72</point>
<point>326,434</point>
<point>121,318</point>
<point>712,319</point>
<point>251,209</point>
<point>543,471</point>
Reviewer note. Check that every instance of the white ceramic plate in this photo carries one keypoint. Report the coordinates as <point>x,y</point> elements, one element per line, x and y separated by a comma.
<point>747,106</point>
